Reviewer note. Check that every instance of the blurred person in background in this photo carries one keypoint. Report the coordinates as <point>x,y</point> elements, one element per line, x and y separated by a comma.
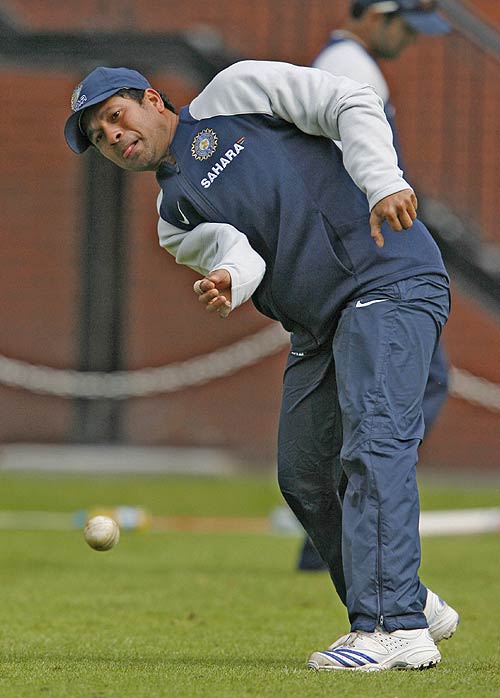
<point>258,199</point>
<point>382,29</point>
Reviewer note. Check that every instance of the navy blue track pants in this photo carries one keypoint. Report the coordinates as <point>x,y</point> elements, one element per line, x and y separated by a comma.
<point>352,419</point>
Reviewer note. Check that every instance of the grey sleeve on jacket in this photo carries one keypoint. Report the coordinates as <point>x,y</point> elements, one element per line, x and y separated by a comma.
<point>318,103</point>
<point>211,246</point>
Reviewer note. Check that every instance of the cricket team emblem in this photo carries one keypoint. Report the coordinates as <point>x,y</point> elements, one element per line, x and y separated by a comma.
<point>75,97</point>
<point>204,144</point>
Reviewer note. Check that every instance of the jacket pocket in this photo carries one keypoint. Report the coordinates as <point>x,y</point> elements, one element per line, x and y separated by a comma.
<point>333,236</point>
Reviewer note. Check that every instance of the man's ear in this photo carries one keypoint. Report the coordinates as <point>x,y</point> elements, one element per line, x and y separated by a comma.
<point>155,99</point>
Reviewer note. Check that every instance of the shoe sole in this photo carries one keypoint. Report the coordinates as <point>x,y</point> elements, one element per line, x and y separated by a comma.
<point>428,664</point>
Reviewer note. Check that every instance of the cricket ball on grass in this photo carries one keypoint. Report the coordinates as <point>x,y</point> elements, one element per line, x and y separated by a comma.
<point>101,533</point>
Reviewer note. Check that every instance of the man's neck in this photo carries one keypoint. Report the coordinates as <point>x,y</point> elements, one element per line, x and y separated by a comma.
<point>169,158</point>
<point>173,122</point>
<point>353,36</point>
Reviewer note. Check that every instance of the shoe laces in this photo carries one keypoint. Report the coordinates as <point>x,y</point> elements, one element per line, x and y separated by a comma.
<point>345,640</point>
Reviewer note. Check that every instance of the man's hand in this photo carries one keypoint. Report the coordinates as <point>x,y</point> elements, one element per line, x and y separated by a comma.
<point>214,291</point>
<point>399,210</point>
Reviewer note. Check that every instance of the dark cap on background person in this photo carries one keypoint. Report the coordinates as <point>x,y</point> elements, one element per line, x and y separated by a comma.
<point>96,87</point>
<point>420,15</point>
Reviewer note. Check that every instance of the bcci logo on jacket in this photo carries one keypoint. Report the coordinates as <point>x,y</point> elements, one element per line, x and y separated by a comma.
<point>204,144</point>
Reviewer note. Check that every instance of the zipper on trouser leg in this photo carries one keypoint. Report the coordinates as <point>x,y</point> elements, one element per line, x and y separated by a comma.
<point>379,574</point>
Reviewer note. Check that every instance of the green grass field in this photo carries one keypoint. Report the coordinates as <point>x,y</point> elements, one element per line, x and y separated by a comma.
<point>211,615</point>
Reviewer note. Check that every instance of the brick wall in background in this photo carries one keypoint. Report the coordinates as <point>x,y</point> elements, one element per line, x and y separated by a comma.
<point>262,28</point>
<point>487,10</point>
<point>39,246</point>
<point>40,190</point>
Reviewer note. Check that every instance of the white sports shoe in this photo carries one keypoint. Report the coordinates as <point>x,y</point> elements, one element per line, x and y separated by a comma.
<point>442,619</point>
<point>378,651</point>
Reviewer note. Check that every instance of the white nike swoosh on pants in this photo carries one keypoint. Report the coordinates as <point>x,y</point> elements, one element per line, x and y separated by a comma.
<point>360,304</point>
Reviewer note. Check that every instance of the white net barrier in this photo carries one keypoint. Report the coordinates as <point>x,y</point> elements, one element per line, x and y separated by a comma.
<point>120,385</point>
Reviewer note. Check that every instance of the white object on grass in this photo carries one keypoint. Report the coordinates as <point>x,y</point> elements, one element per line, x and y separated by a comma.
<point>101,533</point>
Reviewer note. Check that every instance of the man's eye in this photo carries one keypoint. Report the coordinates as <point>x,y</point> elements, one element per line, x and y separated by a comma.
<point>115,115</point>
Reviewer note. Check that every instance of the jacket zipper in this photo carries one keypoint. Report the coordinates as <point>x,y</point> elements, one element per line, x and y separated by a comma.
<point>205,206</point>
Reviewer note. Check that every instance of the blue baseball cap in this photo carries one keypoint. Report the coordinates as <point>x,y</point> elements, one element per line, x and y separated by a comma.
<point>100,84</point>
<point>421,15</point>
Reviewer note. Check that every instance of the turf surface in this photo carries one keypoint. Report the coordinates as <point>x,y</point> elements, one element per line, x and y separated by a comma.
<point>212,615</point>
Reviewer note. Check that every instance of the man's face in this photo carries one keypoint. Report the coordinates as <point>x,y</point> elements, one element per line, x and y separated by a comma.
<point>135,136</point>
<point>391,37</point>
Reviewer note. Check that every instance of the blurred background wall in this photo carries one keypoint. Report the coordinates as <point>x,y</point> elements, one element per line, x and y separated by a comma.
<point>447,96</point>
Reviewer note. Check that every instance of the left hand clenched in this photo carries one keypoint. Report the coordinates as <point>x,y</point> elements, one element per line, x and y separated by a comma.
<point>399,210</point>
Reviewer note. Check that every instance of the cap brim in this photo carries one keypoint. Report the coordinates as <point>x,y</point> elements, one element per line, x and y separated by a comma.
<point>76,140</point>
<point>74,137</point>
<point>429,23</point>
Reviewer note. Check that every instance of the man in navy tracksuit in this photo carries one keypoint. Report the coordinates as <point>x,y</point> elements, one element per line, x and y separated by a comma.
<point>272,181</point>
<point>379,29</point>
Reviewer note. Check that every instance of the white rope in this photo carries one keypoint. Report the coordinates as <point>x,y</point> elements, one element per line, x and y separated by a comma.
<point>474,389</point>
<point>120,385</point>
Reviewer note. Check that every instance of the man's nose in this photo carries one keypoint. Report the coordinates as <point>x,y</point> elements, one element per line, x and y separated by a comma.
<point>112,133</point>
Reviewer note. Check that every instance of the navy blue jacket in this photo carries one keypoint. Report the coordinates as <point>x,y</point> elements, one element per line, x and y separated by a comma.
<point>290,194</point>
